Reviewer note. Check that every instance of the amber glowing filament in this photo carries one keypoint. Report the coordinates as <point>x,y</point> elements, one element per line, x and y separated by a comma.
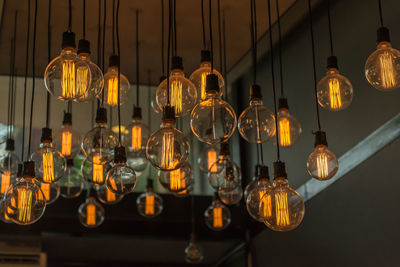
<point>217,216</point>
<point>48,167</point>
<point>91,214</point>
<point>284,132</point>
<point>5,182</point>
<point>167,153</point>
<point>73,87</point>
<point>265,205</point>
<point>110,195</point>
<point>24,205</point>
<point>46,191</point>
<point>149,205</point>
<point>66,143</point>
<point>97,170</point>
<point>387,70</point>
<point>211,159</point>
<point>176,183</point>
<point>112,93</point>
<point>322,165</point>
<point>203,85</point>
<point>282,209</point>
<point>136,138</point>
<point>176,96</point>
<point>334,94</point>
<point>82,81</point>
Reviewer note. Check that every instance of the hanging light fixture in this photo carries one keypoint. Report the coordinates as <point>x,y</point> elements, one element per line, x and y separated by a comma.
<point>106,196</point>
<point>71,184</point>
<point>382,68</point>
<point>67,140</point>
<point>51,192</point>
<point>193,252</point>
<point>149,204</point>
<point>91,213</point>
<point>217,216</point>
<point>208,157</point>
<point>177,180</point>
<point>231,197</point>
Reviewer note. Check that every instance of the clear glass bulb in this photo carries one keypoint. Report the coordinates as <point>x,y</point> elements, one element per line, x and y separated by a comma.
<point>213,120</point>
<point>98,144</point>
<point>382,68</point>
<point>97,84</point>
<point>185,193</point>
<point>9,163</point>
<point>287,206</point>
<point>137,161</point>
<point>149,204</point>
<point>136,136</point>
<point>217,216</point>
<point>250,186</point>
<point>95,174</point>
<point>198,78</point>
<point>67,140</point>
<point>3,213</point>
<point>193,252</point>
<point>208,156</point>
<point>232,197</point>
<point>71,185</point>
<point>106,196</point>
<point>177,180</point>
<point>167,149</point>
<point>154,105</point>
<point>289,129</point>
<point>111,88</point>
<point>256,123</point>
<point>67,77</point>
<point>334,91</point>
<point>51,191</point>
<point>50,164</point>
<point>227,177</point>
<point>257,206</point>
<point>91,213</point>
<point>322,164</point>
<point>121,179</point>
<point>182,93</point>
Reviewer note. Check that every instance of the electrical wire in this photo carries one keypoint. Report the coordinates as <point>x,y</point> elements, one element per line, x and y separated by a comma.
<point>280,47</point>
<point>69,15</point>
<point>224,59</point>
<point>137,58</point>
<point>219,35</point>
<point>380,12</point>
<point>113,27</point>
<point>175,46</point>
<point>162,39</point>
<point>98,43</point>
<point>119,74</point>
<point>84,20</point>
<point>104,44</point>
<point>203,27</point>
<point>48,60</point>
<point>330,27</point>
<point>169,48</point>
<point>211,39</point>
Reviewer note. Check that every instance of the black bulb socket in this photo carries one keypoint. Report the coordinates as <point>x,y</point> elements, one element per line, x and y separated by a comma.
<point>20,170</point>
<point>70,162</point>
<point>193,237</point>
<point>10,145</point>
<point>137,113</point>
<point>283,104</point>
<point>205,56</point>
<point>28,170</point>
<point>177,63</point>
<point>279,170</point>
<point>257,170</point>
<point>113,61</point>
<point>320,138</point>
<point>216,196</point>
<point>383,35</point>
<point>83,47</point>
<point>263,173</point>
<point>119,154</point>
<point>212,83</point>
<point>67,120</point>
<point>46,135</point>
<point>149,183</point>
<point>168,114</point>
<point>225,151</point>
<point>68,40</point>
<point>101,115</point>
<point>162,78</point>
<point>332,63</point>
<point>255,92</point>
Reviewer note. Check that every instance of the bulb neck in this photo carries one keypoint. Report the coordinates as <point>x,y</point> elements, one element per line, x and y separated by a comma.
<point>382,45</point>
<point>256,102</point>
<point>68,51</point>
<point>332,71</point>
<point>177,73</point>
<point>280,181</point>
<point>205,64</point>
<point>283,111</point>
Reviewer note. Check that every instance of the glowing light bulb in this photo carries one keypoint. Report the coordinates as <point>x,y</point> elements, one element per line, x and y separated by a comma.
<point>51,192</point>
<point>137,134</point>
<point>106,196</point>
<point>177,180</point>
<point>185,193</point>
<point>193,253</point>
<point>149,204</point>
<point>94,173</point>
<point>217,216</point>
<point>66,139</point>
<point>232,197</point>
<point>5,182</point>
<point>91,213</point>
<point>8,164</point>
<point>97,170</point>
<point>71,184</point>
<point>208,156</point>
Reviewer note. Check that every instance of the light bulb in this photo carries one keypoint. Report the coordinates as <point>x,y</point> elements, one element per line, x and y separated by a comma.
<point>382,68</point>
<point>231,197</point>
<point>208,156</point>
<point>199,76</point>
<point>137,133</point>
<point>9,161</point>
<point>106,196</point>
<point>153,101</point>
<point>149,204</point>
<point>167,149</point>
<point>71,184</point>
<point>185,193</point>
<point>3,213</point>
<point>193,252</point>
<point>95,173</point>
<point>137,161</point>
<point>182,92</point>
<point>256,123</point>
<point>177,180</point>
<point>217,216</point>
<point>67,140</point>
<point>67,77</point>
<point>50,164</point>
<point>99,143</point>
<point>91,213</point>
<point>287,206</point>
<point>121,179</point>
<point>51,192</point>
<point>24,201</point>
<point>322,164</point>
<point>258,206</point>
<point>111,85</point>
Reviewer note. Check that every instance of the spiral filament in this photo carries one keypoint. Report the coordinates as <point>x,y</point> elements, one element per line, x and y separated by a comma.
<point>176,182</point>
<point>91,214</point>
<point>97,170</point>
<point>112,92</point>
<point>136,138</point>
<point>217,217</point>
<point>167,153</point>
<point>24,205</point>
<point>387,70</point>
<point>149,205</point>
<point>48,167</point>
<point>284,132</point>
<point>176,96</point>
<point>334,94</point>
<point>282,209</point>
<point>66,143</point>
<point>265,205</point>
<point>5,182</point>
<point>46,191</point>
<point>203,85</point>
<point>211,159</point>
<point>322,165</point>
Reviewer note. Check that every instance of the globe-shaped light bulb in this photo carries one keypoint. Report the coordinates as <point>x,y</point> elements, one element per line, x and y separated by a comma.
<point>71,184</point>
<point>137,161</point>
<point>137,133</point>
<point>177,180</point>
<point>51,191</point>
<point>91,213</point>
<point>257,206</point>
<point>322,163</point>
<point>185,193</point>
<point>193,252</point>
<point>93,173</point>
<point>231,197</point>
<point>208,156</point>
<point>3,213</point>
<point>149,204</point>
<point>217,216</point>
<point>67,140</point>
<point>9,161</point>
<point>106,196</point>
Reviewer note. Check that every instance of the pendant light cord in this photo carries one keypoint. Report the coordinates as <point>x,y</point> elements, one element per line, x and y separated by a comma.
<point>48,60</point>
<point>273,81</point>
<point>203,26</point>
<point>25,78</point>
<point>103,46</point>
<point>98,43</point>
<point>33,76</point>
<point>149,97</point>
<point>11,88</point>
<point>137,57</point>
<point>113,27</point>
<point>169,49</point>
<point>162,39</point>
<point>211,38</point>
<point>314,67</point>
<point>280,47</point>
<point>224,48</point>
<point>119,74</point>
<point>175,47</point>
<point>219,35</point>
<point>69,15</point>
<point>380,12</point>
<point>84,20</point>
<point>253,37</point>
<point>330,27</point>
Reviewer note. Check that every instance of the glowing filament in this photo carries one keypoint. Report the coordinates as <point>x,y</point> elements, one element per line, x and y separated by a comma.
<point>149,205</point>
<point>46,191</point>
<point>110,195</point>
<point>334,94</point>
<point>5,182</point>
<point>82,81</point>
<point>282,209</point>
<point>68,79</point>
<point>91,214</point>
<point>167,153</point>
<point>265,205</point>
<point>176,96</point>
<point>136,137</point>
<point>24,205</point>
<point>284,132</point>
<point>176,183</point>
<point>217,216</point>
<point>48,167</point>
<point>203,85</point>
<point>322,165</point>
<point>211,159</point>
<point>66,143</point>
<point>112,93</point>
<point>387,70</point>
<point>97,170</point>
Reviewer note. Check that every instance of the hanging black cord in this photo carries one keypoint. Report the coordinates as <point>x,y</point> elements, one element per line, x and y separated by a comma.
<point>314,67</point>
<point>203,26</point>
<point>280,47</point>
<point>98,42</point>
<point>169,48</point>
<point>14,97</point>
<point>219,35</point>
<point>119,74</point>
<point>175,48</point>
<point>13,81</point>
<point>104,44</point>
<point>84,20</point>
<point>33,76</point>
<point>253,40</point>
<point>162,39</point>
<point>380,12</point>
<point>48,60</point>
<point>10,86</point>
<point>149,97</point>
<point>273,80</point>
<point>330,27</point>
<point>211,39</point>
<point>25,79</point>
<point>69,15</point>
<point>113,27</point>
<point>224,47</point>
<point>137,57</point>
